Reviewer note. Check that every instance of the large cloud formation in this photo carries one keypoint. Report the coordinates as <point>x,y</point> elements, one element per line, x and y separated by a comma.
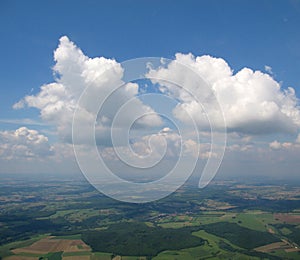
<point>252,101</point>
<point>74,73</point>
<point>260,115</point>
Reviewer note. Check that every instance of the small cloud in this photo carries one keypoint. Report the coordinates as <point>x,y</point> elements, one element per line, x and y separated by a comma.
<point>166,130</point>
<point>268,69</point>
<point>275,145</point>
<point>19,105</point>
<point>286,145</point>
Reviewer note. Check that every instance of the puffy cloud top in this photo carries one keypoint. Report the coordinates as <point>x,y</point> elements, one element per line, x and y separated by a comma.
<point>252,101</point>
<point>75,72</point>
<point>23,143</point>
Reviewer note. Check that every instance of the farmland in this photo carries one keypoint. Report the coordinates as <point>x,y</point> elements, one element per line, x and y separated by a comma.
<point>71,220</point>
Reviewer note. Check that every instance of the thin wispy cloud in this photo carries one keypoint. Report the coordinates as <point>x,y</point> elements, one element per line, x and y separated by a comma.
<point>24,122</point>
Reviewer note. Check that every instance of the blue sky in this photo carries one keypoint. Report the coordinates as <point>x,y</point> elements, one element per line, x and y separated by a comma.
<point>249,34</point>
<point>245,33</point>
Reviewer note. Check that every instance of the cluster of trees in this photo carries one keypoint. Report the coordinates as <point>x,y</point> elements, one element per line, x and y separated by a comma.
<point>240,236</point>
<point>20,229</point>
<point>138,239</point>
<point>227,247</point>
<point>295,231</point>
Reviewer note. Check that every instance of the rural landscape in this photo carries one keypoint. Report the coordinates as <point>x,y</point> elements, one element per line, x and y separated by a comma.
<point>60,219</point>
<point>138,130</point>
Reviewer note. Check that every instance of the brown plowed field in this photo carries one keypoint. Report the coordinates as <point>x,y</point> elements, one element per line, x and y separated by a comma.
<point>50,244</point>
<point>287,218</point>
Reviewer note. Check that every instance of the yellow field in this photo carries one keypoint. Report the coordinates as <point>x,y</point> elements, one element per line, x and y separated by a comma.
<point>79,257</point>
<point>50,244</point>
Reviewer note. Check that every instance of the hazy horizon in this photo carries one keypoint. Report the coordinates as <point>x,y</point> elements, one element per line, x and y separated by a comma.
<point>240,86</point>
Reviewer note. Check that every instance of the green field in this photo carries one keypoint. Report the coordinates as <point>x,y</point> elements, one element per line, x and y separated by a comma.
<point>249,220</point>
<point>210,250</point>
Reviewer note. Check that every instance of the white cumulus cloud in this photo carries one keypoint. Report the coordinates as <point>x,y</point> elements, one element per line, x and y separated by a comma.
<point>75,72</point>
<point>252,101</point>
<point>24,143</point>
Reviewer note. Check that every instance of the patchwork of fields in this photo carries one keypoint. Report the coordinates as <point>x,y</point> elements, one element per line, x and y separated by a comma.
<point>189,224</point>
